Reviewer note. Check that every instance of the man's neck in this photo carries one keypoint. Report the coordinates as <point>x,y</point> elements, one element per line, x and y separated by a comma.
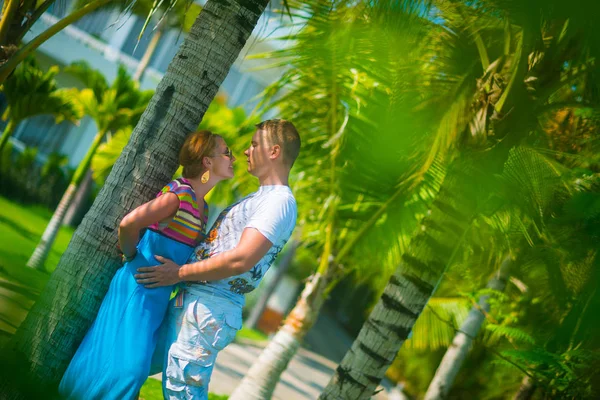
<point>274,179</point>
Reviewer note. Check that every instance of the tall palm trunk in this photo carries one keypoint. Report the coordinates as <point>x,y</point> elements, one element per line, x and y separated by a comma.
<point>409,288</point>
<point>145,61</point>
<point>42,250</point>
<point>8,131</point>
<point>9,9</point>
<point>461,344</point>
<point>431,249</point>
<point>260,381</point>
<point>261,304</point>
<point>45,342</point>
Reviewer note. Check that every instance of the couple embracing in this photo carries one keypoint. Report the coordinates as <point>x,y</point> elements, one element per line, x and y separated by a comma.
<point>138,328</point>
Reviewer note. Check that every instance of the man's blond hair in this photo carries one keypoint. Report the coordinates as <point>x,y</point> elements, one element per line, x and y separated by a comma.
<point>284,134</point>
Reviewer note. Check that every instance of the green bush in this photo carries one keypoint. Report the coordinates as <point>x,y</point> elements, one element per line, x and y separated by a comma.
<point>24,179</point>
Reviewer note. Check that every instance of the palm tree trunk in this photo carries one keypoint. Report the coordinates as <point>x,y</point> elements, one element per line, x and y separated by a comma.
<point>260,381</point>
<point>32,19</point>
<point>145,61</point>
<point>11,63</point>
<point>39,255</point>
<point>431,249</point>
<point>282,267</point>
<point>457,352</point>
<point>9,9</point>
<point>526,390</point>
<point>42,250</point>
<point>8,131</point>
<point>45,342</point>
<point>409,288</point>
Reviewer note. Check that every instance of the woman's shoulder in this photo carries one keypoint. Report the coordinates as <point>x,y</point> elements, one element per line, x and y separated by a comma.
<point>179,186</point>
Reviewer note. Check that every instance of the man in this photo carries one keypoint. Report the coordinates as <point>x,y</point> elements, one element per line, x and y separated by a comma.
<point>230,262</point>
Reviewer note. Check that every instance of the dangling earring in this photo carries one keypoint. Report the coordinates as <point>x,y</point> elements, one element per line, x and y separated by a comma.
<point>205,177</point>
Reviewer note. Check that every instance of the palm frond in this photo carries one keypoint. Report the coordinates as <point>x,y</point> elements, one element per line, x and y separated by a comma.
<point>515,335</point>
<point>31,91</point>
<point>438,323</point>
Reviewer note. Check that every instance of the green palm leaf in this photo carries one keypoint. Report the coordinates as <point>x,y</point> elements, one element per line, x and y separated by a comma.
<point>438,324</point>
<point>30,91</point>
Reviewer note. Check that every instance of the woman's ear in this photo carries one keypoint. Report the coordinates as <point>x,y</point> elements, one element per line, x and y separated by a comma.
<point>206,162</point>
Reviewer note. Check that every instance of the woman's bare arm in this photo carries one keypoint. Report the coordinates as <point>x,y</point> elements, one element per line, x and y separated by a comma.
<point>156,210</point>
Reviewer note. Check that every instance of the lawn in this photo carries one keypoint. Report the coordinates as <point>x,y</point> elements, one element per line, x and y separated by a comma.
<point>20,230</point>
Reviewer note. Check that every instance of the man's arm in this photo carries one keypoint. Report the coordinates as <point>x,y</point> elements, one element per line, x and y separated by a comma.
<point>252,247</point>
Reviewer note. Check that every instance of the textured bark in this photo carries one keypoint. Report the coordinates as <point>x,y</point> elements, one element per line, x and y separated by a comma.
<point>461,344</point>
<point>9,9</point>
<point>38,258</point>
<point>431,249</point>
<point>261,304</point>
<point>408,289</point>
<point>49,336</point>
<point>260,381</point>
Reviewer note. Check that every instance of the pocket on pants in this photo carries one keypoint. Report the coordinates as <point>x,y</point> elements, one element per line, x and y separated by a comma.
<point>188,375</point>
<point>224,334</point>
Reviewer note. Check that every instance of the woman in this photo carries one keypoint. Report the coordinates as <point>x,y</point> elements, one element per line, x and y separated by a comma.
<point>114,358</point>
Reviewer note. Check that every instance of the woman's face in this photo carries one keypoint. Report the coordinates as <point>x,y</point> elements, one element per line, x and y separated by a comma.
<point>222,160</point>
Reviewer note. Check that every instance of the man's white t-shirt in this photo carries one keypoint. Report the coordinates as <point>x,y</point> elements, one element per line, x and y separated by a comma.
<point>272,211</point>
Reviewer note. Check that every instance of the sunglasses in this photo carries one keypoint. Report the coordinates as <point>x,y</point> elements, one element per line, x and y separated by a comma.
<point>228,153</point>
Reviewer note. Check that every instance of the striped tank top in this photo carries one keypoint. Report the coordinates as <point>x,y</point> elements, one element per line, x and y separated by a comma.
<point>187,226</point>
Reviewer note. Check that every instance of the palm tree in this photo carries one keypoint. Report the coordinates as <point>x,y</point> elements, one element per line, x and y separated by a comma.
<point>351,170</point>
<point>560,361</point>
<point>511,68</point>
<point>530,182</point>
<point>46,340</point>
<point>112,108</point>
<point>29,92</point>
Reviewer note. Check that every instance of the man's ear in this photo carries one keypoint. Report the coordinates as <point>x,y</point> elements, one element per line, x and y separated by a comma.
<point>275,152</point>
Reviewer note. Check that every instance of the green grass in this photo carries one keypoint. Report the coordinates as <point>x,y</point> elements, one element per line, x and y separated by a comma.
<point>251,334</point>
<point>21,228</point>
<point>151,390</point>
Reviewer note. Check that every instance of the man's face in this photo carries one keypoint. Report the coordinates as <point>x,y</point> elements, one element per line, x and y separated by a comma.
<point>258,153</point>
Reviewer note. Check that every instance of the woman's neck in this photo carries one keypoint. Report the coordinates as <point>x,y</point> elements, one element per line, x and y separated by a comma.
<point>201,189</point>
